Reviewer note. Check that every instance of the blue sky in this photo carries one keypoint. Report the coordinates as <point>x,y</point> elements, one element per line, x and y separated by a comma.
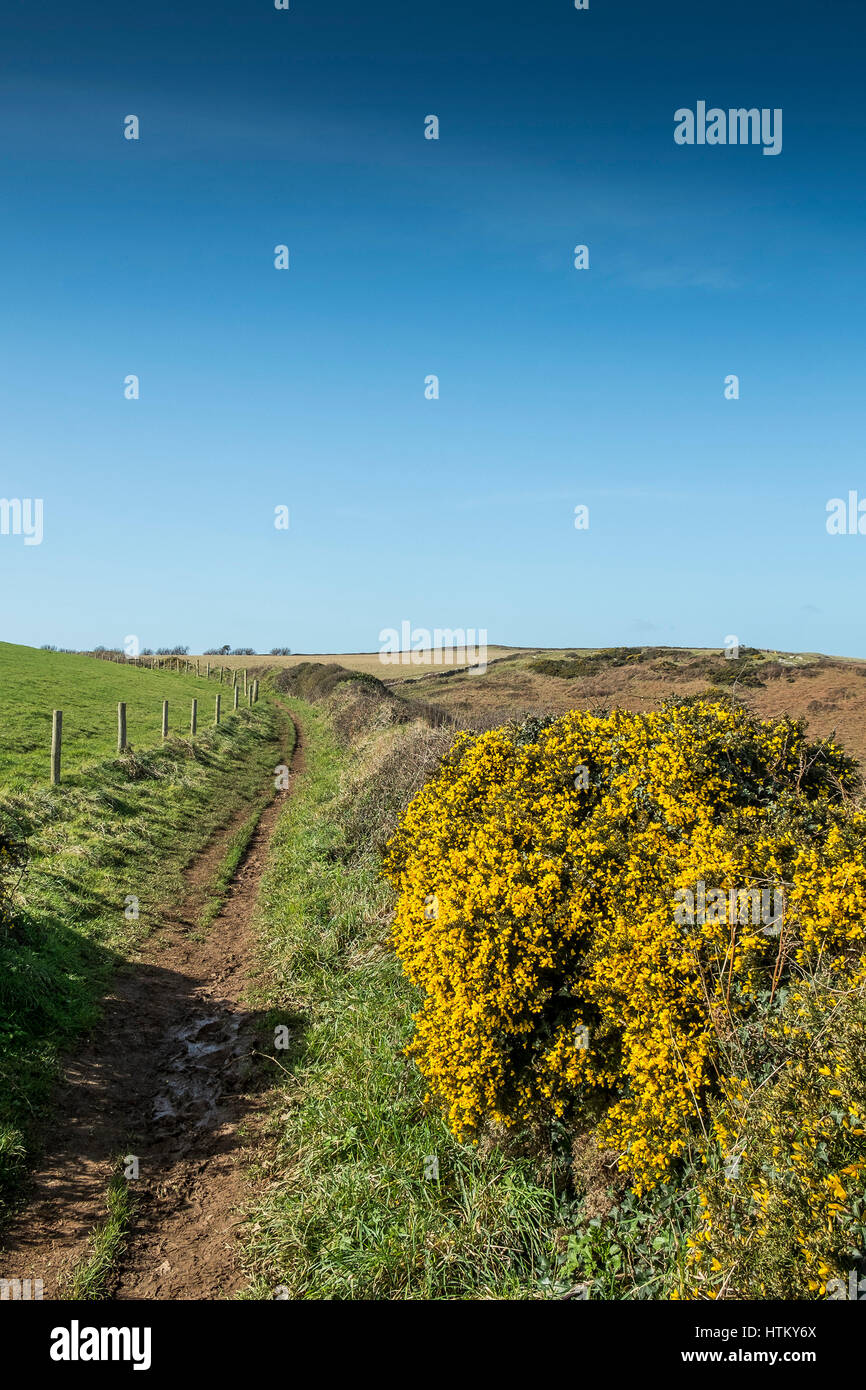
<point>410,257</point>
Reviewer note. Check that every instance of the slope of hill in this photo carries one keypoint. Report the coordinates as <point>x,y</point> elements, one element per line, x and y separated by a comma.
<point>829,692</point>
<point>33,683</point>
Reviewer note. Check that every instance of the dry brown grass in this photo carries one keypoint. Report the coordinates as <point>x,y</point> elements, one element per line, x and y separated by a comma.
<point>830,693</point>
<point>371,662</point>
<point>393,758</point>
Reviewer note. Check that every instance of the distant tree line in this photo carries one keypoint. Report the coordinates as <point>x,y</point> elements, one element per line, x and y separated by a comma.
<point>225,650</point>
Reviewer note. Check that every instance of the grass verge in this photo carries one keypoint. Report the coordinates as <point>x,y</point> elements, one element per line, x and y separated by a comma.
<point>368,1196</point>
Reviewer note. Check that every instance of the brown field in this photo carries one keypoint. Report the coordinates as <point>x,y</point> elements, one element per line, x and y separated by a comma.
<point>829,692</point>
<point>370,662</point>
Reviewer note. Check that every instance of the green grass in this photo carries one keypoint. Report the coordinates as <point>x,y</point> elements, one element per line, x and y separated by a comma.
<point>228,867</point>
<point>349,1213</point>
<point>126,827</point>
<point>33,683</point>
<point>89,1277</point>
<point>235,851</point>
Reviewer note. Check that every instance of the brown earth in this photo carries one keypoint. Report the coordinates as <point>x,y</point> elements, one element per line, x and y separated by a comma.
<point>170,1077</point>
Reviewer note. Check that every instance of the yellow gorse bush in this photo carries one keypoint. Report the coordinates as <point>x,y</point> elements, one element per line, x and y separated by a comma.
<point>793,1223</point>
<point>537,877</point>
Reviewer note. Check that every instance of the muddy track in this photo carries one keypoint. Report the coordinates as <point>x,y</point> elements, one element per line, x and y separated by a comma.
<point>169,1076</point>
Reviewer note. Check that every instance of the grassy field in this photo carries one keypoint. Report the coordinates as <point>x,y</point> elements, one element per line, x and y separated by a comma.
<point>33,683</point>
<point>116,828</point>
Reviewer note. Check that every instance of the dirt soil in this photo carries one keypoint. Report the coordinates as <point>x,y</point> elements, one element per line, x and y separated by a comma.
<point>169,1076</point>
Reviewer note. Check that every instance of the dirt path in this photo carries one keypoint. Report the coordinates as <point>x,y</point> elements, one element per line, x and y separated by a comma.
<point>169,1077</point>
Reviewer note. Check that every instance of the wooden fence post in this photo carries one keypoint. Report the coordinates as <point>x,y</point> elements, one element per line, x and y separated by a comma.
<point>193,719</point>
<point>121,727</point>
<point>235,704</point>
<point>216,713</point>
<point>56,742</point>
<point>165,718</point>
<point>245,680</point>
